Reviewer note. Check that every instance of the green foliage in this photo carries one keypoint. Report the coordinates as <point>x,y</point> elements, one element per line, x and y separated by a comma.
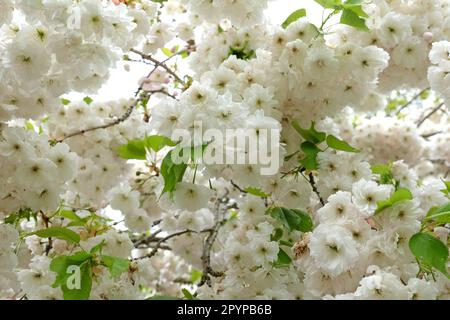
<point>399,195</point>
<point>385,172</point>
<point>196,275</point>
<point>61,264</point>
<point>174,172</point>
<point>171,172</point>
<point>115,265</point>
<point>187,294</point>
<point>84,263</point>
<point>256,192</point>
<point>311,134</point>
<point>292,219</point>
<point>352,12</point>
<point>283,259</point>
<point>329,4</point>
<point>294,16</point>
<point>310,146</point>
<point>88,100</point>
<point>439,215</point>
<point>243,53</point>
<point>340,145</point>
<point>137,148</point>
<point>277,235</point>
<point>18,216</point>
<point>430,253</point>
<point>446,191</point>
<point>65,102</point>
<point>59,233</point>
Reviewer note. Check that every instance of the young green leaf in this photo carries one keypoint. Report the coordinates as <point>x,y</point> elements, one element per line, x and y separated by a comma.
<point>283,259</point>
<point>430,251</point>
<point>440,215</point>
<point>171,172</point>
<point>157,142</point>
<point>256,192</point>
<point>398,196</point>
<point>84,291</point>
<point>277,234</point>
<point>88,100</point>
<point>329,4</point>
<point>187,294</point>
<point>65,102</point>
<point>340,145</point>
<point>59,233</point>
<point>292,219</point>
<point>115,265</point>
<point>134,149</point>
<point>349,17</point>
<point>167,52</point>
<point>294,16</point>
<point>311,134</point>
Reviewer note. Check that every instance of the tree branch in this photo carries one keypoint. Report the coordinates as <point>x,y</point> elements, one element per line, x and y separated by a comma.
<point>406,105</point>
<point>421,121</point>
<point>162,64</point>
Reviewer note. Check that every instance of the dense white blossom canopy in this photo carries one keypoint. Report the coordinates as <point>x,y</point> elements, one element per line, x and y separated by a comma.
<point>348,197</point>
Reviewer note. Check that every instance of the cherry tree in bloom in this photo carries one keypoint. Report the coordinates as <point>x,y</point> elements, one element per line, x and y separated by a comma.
<point>255,159</point>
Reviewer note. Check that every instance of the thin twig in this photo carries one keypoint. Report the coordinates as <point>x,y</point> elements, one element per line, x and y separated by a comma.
<point>406,105</point>
<point>207,246</point>
<point>161,64</point>
<point>312,182</point>
<point>430,114</point>
<point>429,135</point>
<point>122,118</point>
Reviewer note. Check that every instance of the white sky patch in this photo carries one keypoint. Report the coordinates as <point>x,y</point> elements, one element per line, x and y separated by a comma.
<point>123,84</point>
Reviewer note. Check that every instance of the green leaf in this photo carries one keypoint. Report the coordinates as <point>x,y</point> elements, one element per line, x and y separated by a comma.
<point>441,215</point>
<point>167,52</point>
<point>59,233</point>
<point>329,4</point>
<point>134,149</point>
<point>310,162</point>
<point>446,191</point>
<point>60,265</point>
<point>98,247</point>
<point>400,195</point>
<point>187,294</point>
<point>137,148</point>
<point>88,100</point>
<point>430,251</point>
<point>294,16</point>
<point>65,102</point>
<point>256,192</point>
<point>349,17</point>
<point>309,148</point>
<point>196,275</point>
<point>115,265</point>
<point>71,215</point>
<point>156,142</point>
<point>283,259</point>
<point>311,134</point>
<point>84,291</point>
<point>277,234</point>
<point>16,217</point>
<point>171,172</point>
<point>385,172</point>
<point>356,7</point>
<point>292,219</point>
<point>340,145</point>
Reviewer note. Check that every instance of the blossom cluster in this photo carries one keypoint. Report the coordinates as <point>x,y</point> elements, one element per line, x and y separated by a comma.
<point>93,184</point>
